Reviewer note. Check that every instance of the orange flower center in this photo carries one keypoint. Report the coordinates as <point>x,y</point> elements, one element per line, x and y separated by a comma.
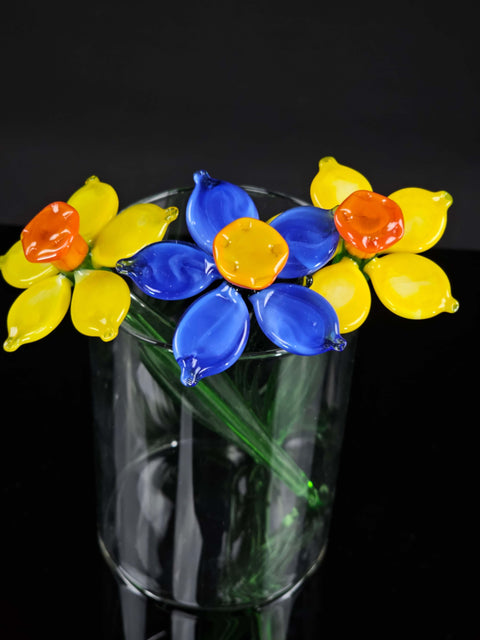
<point>369,221</point>
<point>250,253</point>
<point>52,236</point>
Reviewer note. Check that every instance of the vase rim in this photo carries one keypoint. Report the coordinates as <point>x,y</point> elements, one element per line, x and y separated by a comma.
<point>261,191</point>
<point>274,352</point>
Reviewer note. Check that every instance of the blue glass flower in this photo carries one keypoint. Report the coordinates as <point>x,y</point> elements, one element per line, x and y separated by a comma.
<point>233,245</point>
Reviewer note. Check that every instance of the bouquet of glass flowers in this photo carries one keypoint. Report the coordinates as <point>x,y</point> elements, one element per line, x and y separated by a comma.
<point>294,283</point>
<point>349,237</point>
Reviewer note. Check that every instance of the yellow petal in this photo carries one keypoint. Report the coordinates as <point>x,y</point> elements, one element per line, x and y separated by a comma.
<point>347,290</point>
<point>130,231</point>
<point>334,182</point>
<point>425,216</point>
<point>96,203</point>
<point>100,302</point>
<point>411,286</point>
<point>37,311</point>
<point>21,273</point>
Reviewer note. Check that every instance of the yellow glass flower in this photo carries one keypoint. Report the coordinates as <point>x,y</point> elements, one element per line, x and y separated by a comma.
<point>410,285</point>
<point>47,262</point>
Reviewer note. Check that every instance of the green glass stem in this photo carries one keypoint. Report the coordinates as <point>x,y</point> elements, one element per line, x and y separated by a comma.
<point>218,404</point>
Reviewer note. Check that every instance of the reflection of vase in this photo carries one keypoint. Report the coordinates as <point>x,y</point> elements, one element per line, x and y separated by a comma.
<point>217,496</point>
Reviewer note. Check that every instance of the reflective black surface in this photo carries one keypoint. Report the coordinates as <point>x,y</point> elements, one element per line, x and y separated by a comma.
<point>402,554</point>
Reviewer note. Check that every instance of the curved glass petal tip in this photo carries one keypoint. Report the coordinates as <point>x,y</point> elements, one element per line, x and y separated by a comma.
<point>211,335</point>
<point>425,215</point>
<point>212,205</point>
<point>130,231</point>
<point>411,285</point>
<point>312,239</point>
<point>100,302</point>
<point>96,203</point>
<point>37,311</point>
<point>170,270</point>
<point>334,182</point>
<point>297,319</point>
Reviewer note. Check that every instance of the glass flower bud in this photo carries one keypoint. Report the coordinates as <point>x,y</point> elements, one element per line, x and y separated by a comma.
<point>131,230</point>
<point>37,311</point>
<point>249,253</point>
<point>21,273</point>
<point>369,221</point>
<point>97,204</point>
<point>297,319</point>
<point>334,182</point>
<point>212,334</point>
<point>411,285</point>
<point>347,290</point>
<point>100,302</point>
<point>53,236</point>
<point>425,215</point>
<point>212,205</point>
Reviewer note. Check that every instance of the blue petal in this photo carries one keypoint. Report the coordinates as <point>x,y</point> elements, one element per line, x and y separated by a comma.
<point>297,319</point>
<point>311,236</point>
<point>170,270</point>
<point>211,335</point>
<point>214,204</point>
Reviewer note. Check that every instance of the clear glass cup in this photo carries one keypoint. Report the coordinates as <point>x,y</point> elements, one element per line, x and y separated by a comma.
<point>218,496</point>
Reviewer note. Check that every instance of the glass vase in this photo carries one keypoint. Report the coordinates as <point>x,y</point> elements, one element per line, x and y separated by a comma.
<point>219,496</point>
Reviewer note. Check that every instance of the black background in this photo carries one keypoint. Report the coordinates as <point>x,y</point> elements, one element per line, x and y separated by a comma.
<point>256,93</point>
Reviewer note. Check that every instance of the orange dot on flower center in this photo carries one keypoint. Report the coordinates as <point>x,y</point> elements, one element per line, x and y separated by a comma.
<point>250,253</point>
